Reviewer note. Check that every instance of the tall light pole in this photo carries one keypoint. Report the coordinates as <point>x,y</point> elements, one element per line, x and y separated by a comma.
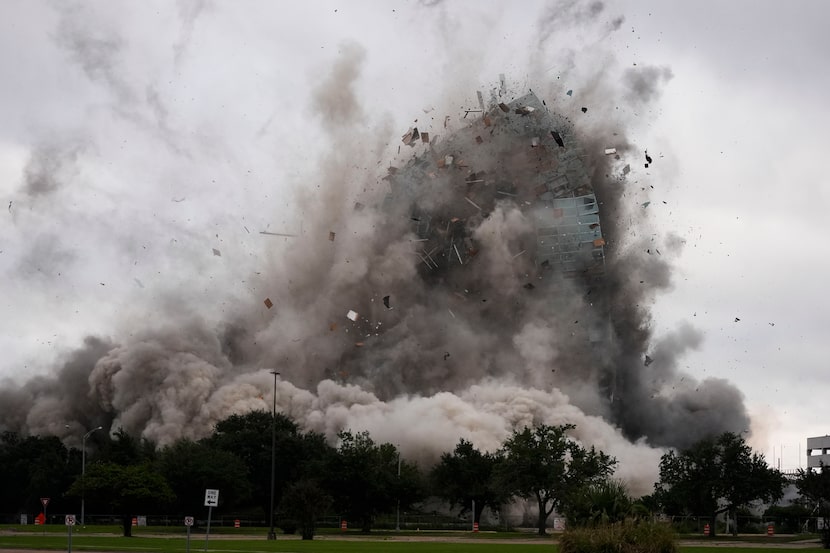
<point>271,534</point>
<point>398,508</point>
<point>83,469</point>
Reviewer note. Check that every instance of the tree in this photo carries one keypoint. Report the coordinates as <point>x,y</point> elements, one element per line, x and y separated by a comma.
<point>297,455</point>
<point>716,475</point>
<point>599,503</point>
<point>814,487</point>
<point>545,464</point>
<point>305,502</point>
<point>364,478</point>
<point>127,490</point>
<point>467,475</point>
<point>192,467</point>
<point>33,467</point>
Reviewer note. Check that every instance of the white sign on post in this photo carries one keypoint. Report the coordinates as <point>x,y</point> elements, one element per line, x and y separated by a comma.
<point>211,498</point>
<point>70,520</point>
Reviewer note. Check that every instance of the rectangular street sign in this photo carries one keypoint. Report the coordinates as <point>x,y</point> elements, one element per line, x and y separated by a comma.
<point>211,498</point>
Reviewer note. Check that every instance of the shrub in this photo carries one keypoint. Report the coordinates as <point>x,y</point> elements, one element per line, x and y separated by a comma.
<point>628,537</point>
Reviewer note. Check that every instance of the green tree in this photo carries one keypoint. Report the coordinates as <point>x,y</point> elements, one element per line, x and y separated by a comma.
<point>297,455</point>
<point>814,487</point>
<point>467,475</point>
<point>192,467</point>
<point>363,478</point>
<point>545,464</point>
<point>126,490</point>
<point>33,467</point>
<point>599,503</point>
<point>305,502</point>
<point>716,475</point>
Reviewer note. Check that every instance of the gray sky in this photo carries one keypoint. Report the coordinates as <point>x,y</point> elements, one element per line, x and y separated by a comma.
<point>137,137</point>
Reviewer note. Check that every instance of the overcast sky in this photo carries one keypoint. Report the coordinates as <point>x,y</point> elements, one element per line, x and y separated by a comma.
<point>135,138</point>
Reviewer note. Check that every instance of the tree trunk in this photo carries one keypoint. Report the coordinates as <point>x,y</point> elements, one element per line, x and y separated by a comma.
<point>478,511</point>
<point>543,516</point>
<point>127,523</point>
<point>734,514</point>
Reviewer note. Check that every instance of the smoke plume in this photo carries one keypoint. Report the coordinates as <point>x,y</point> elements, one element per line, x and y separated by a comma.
<point>372,328</point>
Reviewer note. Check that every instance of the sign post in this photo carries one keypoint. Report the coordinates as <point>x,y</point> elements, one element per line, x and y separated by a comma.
<point>70,522</point>
<point>45,502</point>
<point>188,522</point>
<point>211,501</point>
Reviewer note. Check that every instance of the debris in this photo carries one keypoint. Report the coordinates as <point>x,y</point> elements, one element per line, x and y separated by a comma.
<point>648,157</point>
<point>646,204</point>
<point>737,320</point>
<point>358,206</point>
<point>246,229</point>
<point>183,198</point>
<point>534,142</point>
<point>626,169</point>
<point>518,254</point>
<point>446,120</point>
<point>772,324</point>
<point>487,121</point>
<point>504,107</point>
<point>648,361</point>
<point>425,137</point>
<point>475,205</point>
<point>524,110</point>
<point>386,302</point>
<point>448,160</point>
<point>268,303</point>
<point>610,151</point>
<point>411,136</point>
<point>358,344</point>
<point>570,93</point>
<point>558,138</point>
<point>529,286</point>
<point>584,110</point>
<point>333,327</point>
<point>451,313</point>
<point>599,242</point>
<point>351,315</point>
<point>480,99</point>
<point>217,253</point>
<point>446,355</point>
<point>139,283</point>
<point>10,205</point>
<point>331,236</point>
<point>277,234</point>
<point>479,140</point>
<point>457,254</point>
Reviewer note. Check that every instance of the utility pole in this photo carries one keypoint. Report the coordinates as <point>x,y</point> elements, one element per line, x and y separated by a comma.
<point>272,535</point>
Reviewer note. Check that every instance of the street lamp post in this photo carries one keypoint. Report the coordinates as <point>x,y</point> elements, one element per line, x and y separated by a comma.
<point>271,534</point>
<point>83,469</point>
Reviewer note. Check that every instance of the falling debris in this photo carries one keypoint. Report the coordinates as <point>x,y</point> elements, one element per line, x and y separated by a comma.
<point>529,286</point>
<point>558,138</point>
<point>278,234</point>
<point>626,169</point>
<point>386,302</point>
<point>10,206</point>
<point>425,137</point>
<point>524,110</point>
<point>411,136</point>
<point>737,320</point>
<point>610,151</point>
<point>645,204</point>
<point>358,206</point>
<point>446,120</point>
<point>504,107</point>
<point>648,361</point>
<point>479,140</point>
<point>331,236</point>
<point>584,110</point>
<point>351,315</point>
<point>570,93</point>
<point>268,303</point>
<point>648,157</point>
<point>217,253</point>
<point>139,283</point>
<point>178,200</point>
<point>446,355</point>
<point>534,142</point>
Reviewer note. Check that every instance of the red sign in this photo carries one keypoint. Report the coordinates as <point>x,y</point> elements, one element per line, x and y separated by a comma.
<point>45,501</point>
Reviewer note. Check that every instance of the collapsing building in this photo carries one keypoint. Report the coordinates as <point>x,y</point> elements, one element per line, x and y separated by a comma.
<point>516,155</point>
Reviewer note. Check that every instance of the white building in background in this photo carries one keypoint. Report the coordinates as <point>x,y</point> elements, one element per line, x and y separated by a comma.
<point>818,451</point>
